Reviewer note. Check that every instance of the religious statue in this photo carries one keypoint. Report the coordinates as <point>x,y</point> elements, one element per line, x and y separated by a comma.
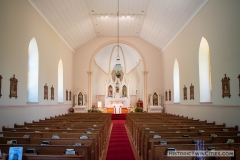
<point>225,88</point>
<point>110,91</point>
<point>155,99</point>
<point>124,91</point>
<point>117,89</point>
<point>80,99</point>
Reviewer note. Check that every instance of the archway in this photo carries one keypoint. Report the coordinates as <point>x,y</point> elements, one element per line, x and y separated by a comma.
<point>102,63</point>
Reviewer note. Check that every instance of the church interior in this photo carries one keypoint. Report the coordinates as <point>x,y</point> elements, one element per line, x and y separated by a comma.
<point>172,57</point>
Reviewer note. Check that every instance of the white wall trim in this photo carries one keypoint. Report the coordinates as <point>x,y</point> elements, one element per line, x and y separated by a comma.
<point>2,107</point>
<point>202,105</point>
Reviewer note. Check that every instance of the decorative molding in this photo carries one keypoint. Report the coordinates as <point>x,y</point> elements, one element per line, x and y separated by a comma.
<point>6,107</point>
<point>203,105</point>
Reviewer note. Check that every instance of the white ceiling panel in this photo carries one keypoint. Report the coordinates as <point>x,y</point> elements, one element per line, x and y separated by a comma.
<point>79,21</point>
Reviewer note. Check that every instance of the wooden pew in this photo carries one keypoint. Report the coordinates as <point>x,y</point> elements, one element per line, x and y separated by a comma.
<point>157,151</point>
<point>172,140</point>
<point>81,156</point>
<point>52,149</point>
<point>69,141</point>
<point>60,134</point>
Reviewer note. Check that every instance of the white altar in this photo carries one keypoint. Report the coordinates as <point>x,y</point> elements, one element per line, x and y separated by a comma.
<point>80,103</point>
<point>80,109</point>
<point>109,101</point>
<point>117,93</point>
<point>117,104</point>
<point>155,109</point>
<point>155,102</point>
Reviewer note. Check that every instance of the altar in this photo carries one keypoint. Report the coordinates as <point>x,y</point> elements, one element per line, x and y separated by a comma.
<point>109,101</point>
<point>117,108</point>
<point>80,109</point>
<point>155,102</point>
<point>117,104</point>
<point>117,92</point>
<point>80,104</point>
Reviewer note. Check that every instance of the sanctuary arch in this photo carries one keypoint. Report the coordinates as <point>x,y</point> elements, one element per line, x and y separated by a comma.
<point>109,89</point>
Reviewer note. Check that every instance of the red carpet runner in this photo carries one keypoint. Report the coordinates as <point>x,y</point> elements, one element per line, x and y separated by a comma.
<point>119,147</point>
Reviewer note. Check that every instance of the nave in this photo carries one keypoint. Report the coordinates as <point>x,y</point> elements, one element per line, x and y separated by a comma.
<point>100,136</point>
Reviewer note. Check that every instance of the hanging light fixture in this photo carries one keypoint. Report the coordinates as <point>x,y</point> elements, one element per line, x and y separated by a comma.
<point>118,66</point>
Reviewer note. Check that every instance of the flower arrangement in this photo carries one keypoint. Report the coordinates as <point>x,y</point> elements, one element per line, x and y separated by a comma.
<point>94,111</point>
<point>138,109</point>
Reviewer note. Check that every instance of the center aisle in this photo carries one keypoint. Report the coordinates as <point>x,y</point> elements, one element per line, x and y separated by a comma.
<point>119,147</point>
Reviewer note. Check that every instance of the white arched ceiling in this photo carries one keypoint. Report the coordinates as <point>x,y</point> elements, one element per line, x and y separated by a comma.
<point>106,57</point>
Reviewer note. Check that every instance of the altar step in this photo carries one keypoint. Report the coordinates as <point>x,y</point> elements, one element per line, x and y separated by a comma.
<point>118,116</point>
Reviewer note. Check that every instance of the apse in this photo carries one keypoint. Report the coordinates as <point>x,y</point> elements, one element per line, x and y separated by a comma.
<point>106,58</point>
<point>103,64</point>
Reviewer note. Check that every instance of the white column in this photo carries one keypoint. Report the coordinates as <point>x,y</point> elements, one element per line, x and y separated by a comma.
<point>106,91</point>
<point>76,99</point>
<point>145,90</point>
<point>128,94</point>
<point>89,89</point>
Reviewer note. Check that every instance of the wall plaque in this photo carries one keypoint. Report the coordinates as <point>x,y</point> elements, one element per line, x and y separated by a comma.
<point>13,87</point>
<point>226,87</point>
<point>45,91</point>
<point>166,95</point>
<point>66,95</point>
<point>70,95</point>
<point>52,93</point>
<point>191,92</point>
<point>184,93</point>
<point>170,95</point>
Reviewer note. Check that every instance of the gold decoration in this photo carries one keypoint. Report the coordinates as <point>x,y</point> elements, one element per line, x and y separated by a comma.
<point>191,92</point>
<point>13,87</point>
<point>184,93</point>
<point>45,91</point>
<point>52,93</point>
<point>226,87</point>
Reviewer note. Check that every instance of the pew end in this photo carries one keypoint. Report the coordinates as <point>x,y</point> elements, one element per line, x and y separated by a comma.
<point>3,128</point>
<point>236,128</point>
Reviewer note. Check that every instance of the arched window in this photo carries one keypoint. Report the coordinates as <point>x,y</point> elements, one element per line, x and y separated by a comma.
<point>60,81</point>
<point>176,82</point>
<point>33,59</point>
<point>205,72</point>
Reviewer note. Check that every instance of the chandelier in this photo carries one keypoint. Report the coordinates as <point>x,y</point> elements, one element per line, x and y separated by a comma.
<point>117,68</point>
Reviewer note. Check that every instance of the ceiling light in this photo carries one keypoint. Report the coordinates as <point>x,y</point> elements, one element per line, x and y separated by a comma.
<point>118,66</point>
